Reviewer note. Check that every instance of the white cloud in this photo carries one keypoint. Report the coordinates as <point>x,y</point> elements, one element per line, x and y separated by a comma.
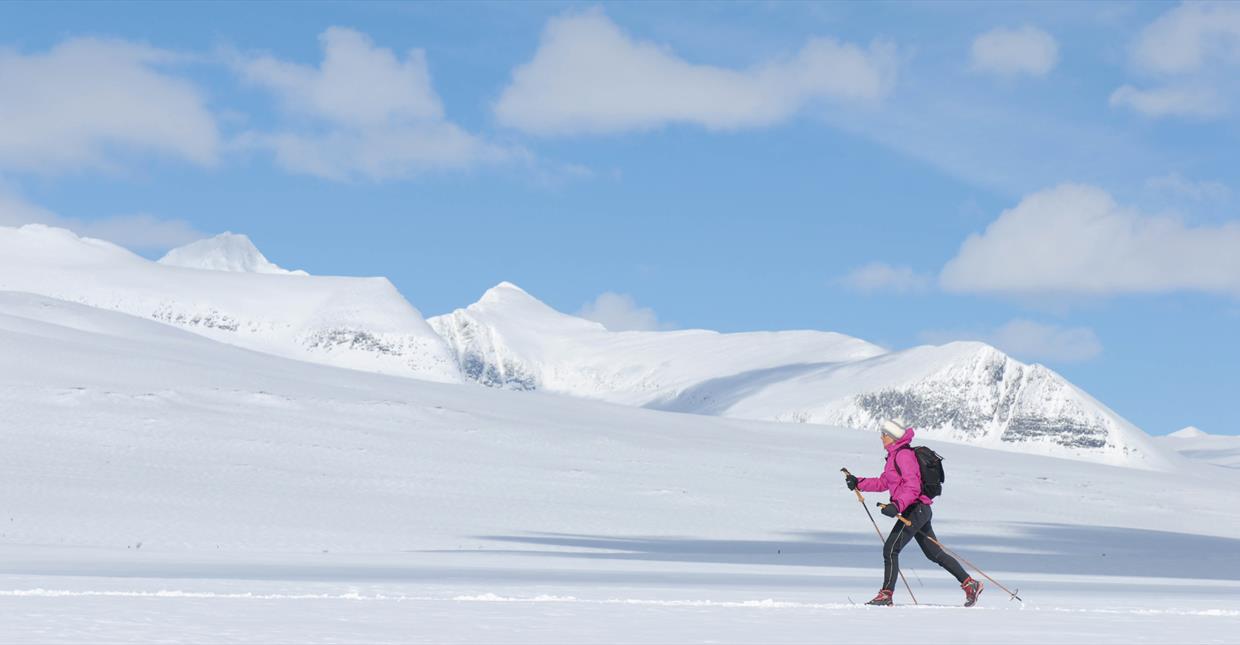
<point>1015,51</point>
<point>588,76</point>
<point>1076,240</point>
<point>879,276</point>
<point>87,99</point>
<point>139,232</point>
<point>1177,184</point>
<point>620,312</point>
<point>1033,341</point>
<point>1186,38</point>
<point>1185,101</point>
<point>367,113</point>
<point>1195,48</point>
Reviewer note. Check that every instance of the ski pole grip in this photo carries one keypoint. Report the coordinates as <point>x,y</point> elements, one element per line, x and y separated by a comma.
<point>898,516</point>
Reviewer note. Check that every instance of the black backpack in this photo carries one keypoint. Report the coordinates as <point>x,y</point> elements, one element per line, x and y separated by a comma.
<point>932,475</point>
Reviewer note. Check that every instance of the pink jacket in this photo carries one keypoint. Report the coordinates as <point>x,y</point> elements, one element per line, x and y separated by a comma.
<point>901,476</point>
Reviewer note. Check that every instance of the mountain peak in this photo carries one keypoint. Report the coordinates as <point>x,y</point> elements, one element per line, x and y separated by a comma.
<point>504,289</point>
<point>225,252</point>
<point>510,298</point>
<point>1191,432</point>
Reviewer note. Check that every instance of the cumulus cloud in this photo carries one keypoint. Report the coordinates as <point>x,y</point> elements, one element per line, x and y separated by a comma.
<point>1171,100</point>
<point>1015,51</point>
<point>588,76</point>
<point>87,99</point>
<point>1076,240</point>
<point>367,113</point>
<point>879,276</point>
<point>139,232</point>
<point>620,312</point>
<point>1188,37</point>
<point>1033,341</point>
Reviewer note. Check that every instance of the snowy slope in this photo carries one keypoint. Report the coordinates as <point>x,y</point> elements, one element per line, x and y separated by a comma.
<point>963,392</point>
<point>361,323</point>
<point>1197,445</point>
<point>160,486</point>
<point>224,252</point>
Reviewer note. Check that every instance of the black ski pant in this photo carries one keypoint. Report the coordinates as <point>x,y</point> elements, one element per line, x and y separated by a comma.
<point>919,515</point>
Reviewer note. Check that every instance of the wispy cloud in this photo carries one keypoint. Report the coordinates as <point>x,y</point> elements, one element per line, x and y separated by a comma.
<point>139,232</point>
<point>1017,51</point>
<point>88,101</point>
<point>1031,341</point>
<point>880,276</point>
<point>1197,190</point>
<point>1181,101</point>
<point>1186,38</point>
<point>1192,50</point>
<point>589,77</point>
<point>366,113</point>
<point>620,312</point>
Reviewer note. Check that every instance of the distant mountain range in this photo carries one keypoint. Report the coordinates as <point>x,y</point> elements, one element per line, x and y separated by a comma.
<point>224,288</point>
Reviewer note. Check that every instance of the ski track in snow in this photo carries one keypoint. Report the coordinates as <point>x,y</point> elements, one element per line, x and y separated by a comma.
<point>767,603</point>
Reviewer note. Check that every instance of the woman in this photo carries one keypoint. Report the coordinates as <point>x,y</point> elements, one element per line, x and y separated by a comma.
<point>902,478</point>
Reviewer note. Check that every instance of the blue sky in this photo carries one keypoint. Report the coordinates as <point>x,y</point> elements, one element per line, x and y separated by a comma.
<point>1057,179</point>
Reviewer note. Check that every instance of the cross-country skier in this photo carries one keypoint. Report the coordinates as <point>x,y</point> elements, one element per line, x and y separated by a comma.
<point>902,478</point>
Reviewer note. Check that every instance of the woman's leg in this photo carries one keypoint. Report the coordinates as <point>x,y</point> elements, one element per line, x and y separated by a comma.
<point>899,536</point>
<point>937,554</point>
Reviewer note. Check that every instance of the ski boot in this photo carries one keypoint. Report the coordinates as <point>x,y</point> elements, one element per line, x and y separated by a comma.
<point>972,589</point>
<point>883,599</point>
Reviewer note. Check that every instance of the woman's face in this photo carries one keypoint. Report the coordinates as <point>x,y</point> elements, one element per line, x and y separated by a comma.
<point>887,440</point>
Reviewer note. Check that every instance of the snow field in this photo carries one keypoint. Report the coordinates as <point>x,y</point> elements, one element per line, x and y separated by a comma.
<point>158,486</point>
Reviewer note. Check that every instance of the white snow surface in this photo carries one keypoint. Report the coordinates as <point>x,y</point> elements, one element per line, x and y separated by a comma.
<point>225,252</point>
<point>159,486</point>
<point>961,392</point>
<point>360,323</point>
<point>1217,450</point>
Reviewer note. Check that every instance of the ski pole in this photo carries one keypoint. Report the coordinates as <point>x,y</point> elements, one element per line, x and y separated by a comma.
<point>880,535</point>
<point>957,556</point>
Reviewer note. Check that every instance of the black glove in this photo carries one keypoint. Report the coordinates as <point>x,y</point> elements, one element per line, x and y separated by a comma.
<point>890,510</point>
<point>851,481</point>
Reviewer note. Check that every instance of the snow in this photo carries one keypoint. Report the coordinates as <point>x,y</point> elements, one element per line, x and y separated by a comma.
<point>160,486</point>
<point>961,392</point>
<point>225,252</point>
<point>1216,450</point>
<point>1190,432</point>
<point>360,323</point>
<point>511,339</point>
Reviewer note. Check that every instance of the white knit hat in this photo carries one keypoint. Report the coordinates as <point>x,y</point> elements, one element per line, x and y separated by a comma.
<point>894,428</point>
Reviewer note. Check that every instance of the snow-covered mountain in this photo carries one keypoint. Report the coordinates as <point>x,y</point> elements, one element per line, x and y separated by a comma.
<point>224,252</point>
<point>510,339</point>
<point>964,392</point>
<point>361,323</point>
